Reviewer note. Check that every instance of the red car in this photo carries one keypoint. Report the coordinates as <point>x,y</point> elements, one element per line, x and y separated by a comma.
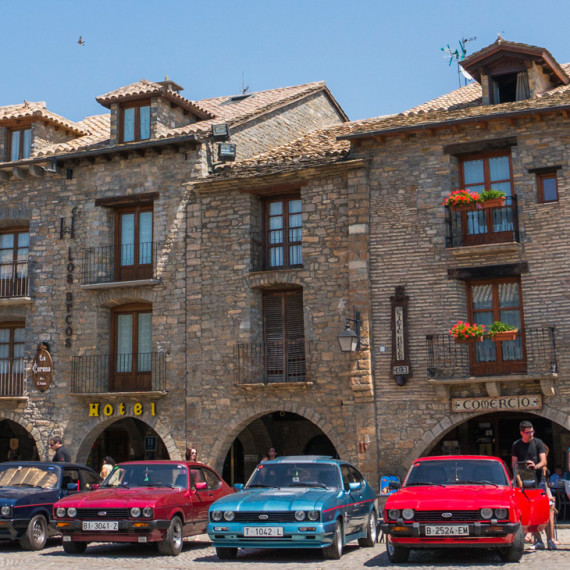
<point>466,502</point>
<point>141,501</point>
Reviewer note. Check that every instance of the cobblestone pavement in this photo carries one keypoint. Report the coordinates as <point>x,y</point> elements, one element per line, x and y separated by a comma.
<point>199,553</point>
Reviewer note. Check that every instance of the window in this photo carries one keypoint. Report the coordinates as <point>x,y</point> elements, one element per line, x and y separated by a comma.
<point>134,247</point>
<point>14,246</point>
<point>486,171</point>
<point>497,300</point>
<point>510,87</point>
<point>284,336</point>
<point>12,363</point>
<point>131,354</point>
<point>283,233</point>
<point>20,144</point>
<point>135,122</point>
<point>547,187</point>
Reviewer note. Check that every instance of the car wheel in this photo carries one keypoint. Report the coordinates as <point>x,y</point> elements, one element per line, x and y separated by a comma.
<point>36,534</point>
<point>172,543</point>
<point>74,547</point>
<point>334,551</point>
<point>226,553</point>
<point>514,552</point>
<point>371,531</point>
<point>396,553</point>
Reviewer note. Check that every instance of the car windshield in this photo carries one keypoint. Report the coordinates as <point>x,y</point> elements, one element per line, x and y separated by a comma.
<point>316,475</point>
<point>149,475</point>
<point>456,472</point>
<point>41,477</point>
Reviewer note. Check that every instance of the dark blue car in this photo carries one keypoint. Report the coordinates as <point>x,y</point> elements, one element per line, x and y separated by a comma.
<point>28,490</point>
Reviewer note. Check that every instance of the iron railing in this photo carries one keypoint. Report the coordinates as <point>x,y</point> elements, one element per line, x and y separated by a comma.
<point>533,352</point>
<point>483,225</point>
<point>97,374</point>
<point>14,280</point>
<point>275,361</point>
<point>270,251</point>
<point>130,262</point>
<point>12,375</point>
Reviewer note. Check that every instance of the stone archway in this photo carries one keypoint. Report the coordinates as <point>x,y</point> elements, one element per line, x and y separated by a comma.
<point>24,429</point>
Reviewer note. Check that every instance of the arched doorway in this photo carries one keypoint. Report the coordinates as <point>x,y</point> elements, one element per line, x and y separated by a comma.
<point>288,433</point>
<point>16,444</point>
<point>128,439</point>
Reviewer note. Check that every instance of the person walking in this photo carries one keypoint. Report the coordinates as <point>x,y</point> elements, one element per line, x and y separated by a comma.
<point>61,454</point>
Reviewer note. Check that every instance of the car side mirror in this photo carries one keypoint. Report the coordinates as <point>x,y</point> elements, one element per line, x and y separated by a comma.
<point>394,485</point>
<point>95,486</point>
<point>529,484</point>
<point>73,486</point>
<point>201,486</point>
<point>355,486</point>
<point>238,486</point>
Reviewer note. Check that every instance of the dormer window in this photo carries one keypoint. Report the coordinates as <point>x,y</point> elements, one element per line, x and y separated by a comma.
<point>20,144</point>
<point>510,87</point>
<point>135,122</point>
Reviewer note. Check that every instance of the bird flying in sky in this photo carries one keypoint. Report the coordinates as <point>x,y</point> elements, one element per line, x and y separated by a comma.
<point>80,41</point>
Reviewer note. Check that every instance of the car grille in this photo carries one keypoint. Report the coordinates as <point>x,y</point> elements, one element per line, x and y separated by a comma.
<point>109,514</point>
<point>456,516</point>
<point>285,516</point>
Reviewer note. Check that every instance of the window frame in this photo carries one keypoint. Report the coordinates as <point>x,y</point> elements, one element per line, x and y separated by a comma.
<point>21,149</point>
<point>136,105</point>
<point>15,379</point>
<point>540,178</point>
<point>16,285</point>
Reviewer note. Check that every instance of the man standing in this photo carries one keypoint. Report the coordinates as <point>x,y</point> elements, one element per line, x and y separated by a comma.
<point>528,449</point>
<point>61,454</point>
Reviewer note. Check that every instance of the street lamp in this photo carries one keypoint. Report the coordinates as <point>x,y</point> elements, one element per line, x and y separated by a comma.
<point>349,338</point>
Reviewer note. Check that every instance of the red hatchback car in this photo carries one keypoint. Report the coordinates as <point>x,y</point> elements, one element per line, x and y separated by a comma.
<point>466,502</point>
<point>141,501</point>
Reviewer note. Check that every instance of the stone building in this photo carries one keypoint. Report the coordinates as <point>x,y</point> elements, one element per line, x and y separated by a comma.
<point>101,256</point>
<point>352,225</point>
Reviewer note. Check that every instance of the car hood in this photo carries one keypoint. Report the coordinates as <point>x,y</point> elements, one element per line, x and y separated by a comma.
<point>117,498</point>
<point>449,497</point>
<point>278,499</point>
<point>27,495</point>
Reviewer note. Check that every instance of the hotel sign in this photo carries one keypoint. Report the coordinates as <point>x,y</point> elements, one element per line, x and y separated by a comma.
<point>503,403</point>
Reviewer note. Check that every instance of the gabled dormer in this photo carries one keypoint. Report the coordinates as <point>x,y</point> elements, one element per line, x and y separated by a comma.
<point>27,128</point>
<point>148,110</point>
<point>509,71</point>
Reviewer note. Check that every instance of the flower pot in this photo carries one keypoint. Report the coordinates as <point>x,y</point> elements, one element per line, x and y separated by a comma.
<point>463,207</point>
<point>460,340</point>
<point>505,335</point>
<point>493,203</point>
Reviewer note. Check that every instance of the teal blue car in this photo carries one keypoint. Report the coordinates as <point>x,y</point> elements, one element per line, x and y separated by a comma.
<point>296,502</point>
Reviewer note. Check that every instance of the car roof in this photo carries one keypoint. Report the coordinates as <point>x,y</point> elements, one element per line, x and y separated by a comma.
<point>458,457</point>
<point>305,459</point>
<point>150,463</point>
<point>63,464</point>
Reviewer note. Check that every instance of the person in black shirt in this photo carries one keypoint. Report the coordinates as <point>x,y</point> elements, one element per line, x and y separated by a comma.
<point>528,449</point>
<point>61,454</point>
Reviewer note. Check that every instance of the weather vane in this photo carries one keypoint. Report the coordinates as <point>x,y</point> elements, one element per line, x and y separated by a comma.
<point>459,55</point>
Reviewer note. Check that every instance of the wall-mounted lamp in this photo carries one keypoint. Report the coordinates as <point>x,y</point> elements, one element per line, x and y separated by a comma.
<point>226,151</point>
<point>221,132</point>
<point>349,338</point>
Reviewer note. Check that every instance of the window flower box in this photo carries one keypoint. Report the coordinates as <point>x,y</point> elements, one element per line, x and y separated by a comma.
<point>500,332</point>
<point>467,332</point>
<point>461,200</point>
<point>491,199</point>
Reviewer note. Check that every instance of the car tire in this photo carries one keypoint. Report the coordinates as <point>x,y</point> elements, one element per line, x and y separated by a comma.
<point>514,552</point>
<point>172,543</point>
<point>334,551</point>
<point>226,552</point>
<point>74,547</point>
<point>371,531</point>
<point>396,553</point>
<point>35,537</point>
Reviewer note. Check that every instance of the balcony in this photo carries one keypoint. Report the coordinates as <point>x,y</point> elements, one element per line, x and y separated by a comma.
<point>119,264</point>
<point>14,280</point>
<point>101,374</point>
<point>483,226</point>
<point>273,362</point>
<point>531,356</point>
<point>12,374</point>
<point>271,252</point>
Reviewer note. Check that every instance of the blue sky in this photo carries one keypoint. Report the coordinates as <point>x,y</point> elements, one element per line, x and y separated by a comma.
<point>376,56</point>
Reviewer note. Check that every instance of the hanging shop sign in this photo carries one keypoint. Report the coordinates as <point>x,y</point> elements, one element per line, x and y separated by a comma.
<point>505,404</point>
<point>97,409</point>
<point>42,368</point>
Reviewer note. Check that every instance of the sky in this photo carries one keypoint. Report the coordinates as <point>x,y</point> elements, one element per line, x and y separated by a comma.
<point>377,57</point>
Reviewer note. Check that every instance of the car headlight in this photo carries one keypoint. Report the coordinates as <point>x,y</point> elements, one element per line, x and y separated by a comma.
<point>135,512</point>
<point>313,515</point>
<point>147,512</point>
<point>300,515</point>
<point>408,514</point>
<point>486,513</point>
<point>216,515</point>
<point>6,510</point>
<point>72,512</point>
<point>502,513</point>
<point>394,514</point>
<point>60,511</point>
<point>229,516</point>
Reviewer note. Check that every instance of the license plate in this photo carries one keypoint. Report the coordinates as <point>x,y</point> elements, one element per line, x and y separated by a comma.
<point>100,525</point>
<point>263,531</point>
<point>443,530</point>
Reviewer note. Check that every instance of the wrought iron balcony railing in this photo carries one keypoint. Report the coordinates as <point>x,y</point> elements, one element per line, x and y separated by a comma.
<point>533,352</point>
<point>276,361</point>
<point>14,280</point>
<point>484,225</point>
<point>98,374</point>
<point>110,264</point>
<point>277,249</point>
<point>12,375</point>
